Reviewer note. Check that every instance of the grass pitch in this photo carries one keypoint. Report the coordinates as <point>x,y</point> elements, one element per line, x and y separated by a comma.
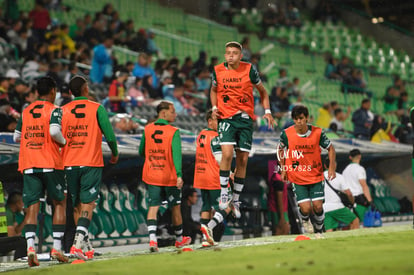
<point>387,250</point>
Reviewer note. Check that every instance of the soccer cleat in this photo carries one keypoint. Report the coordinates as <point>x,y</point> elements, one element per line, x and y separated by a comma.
<point>235,208</point>
<point>186,241</point>
<point>153,246</point>
<point>208,234</point>
<point>308,226</point>
<point>78,253</point>
<point>59,256</point>
<point>89,254</point>
<point>32,257</point>
<point>224,201</point>
<point>319,236</point>
<point>205,244</point>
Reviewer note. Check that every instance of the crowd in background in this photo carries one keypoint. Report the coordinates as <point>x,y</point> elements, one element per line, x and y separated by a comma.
<point>54,49</point>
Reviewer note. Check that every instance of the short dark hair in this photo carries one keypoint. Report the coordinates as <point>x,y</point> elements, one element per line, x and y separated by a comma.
<point>365,100</point>
<point>76,85</point>
<point>354,152</point>
<point>209,115</point>
<point>188,192</point>
<point>164,105</point>
<point>45,85</point>
<point>337,111</point>
<point>299,110</point>
<point>14,198</point>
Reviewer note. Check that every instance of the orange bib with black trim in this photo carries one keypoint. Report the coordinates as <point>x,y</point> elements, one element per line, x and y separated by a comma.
<point>159,166</point>
<point>303,157</point>
<point>81,130</point>
<point>37,148</point>
<point>234,90</point>
<point>207,170</point>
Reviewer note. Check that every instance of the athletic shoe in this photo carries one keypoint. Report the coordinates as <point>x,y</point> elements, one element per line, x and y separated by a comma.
<point>224,201</point>
<point>59,256</point>
<point>308,226</point>
<point>186,241</point>
<point>235,208</point>
<point>32,257</point>
<point>90,254</point>
<point>205,244</point>
<point>153,246</point>
<point>208,234</point>
<point>319,236</point>
<point>78,253</point>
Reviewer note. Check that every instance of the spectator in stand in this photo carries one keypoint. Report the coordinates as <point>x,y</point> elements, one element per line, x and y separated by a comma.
<point>65,96</point>
<point>331,69</point>
<point>187,66</point>
<point>12,75</point>
<point>123,124</point>
<point>270,19</point>
<point>362,120</point>
<point>336,123</point>
<point>42,55</point>
<point>54,70</point>
<point>7,121</point>
<point>344,68</point>
<point>201,61</point>
<point>380,130</point>
<point>117,94</point>
<point>246,51</point>
<point>142,68</point>
<point>148,89</point>
<point>94,35</point>
<point>4,88</point>
<point>139,41</point>
<point>325,116</point>
<point>293,16</point>
<point>72,71</point>
<point>294,90</point>
<point>77,30</point>
<point>41,20</point>
<point>152,47</point>
<point>66,39</point>
<point>13,33</point>
<point>17,95</point>
<point>281,82</point>
<point>203,81</point>
<point>102,61</point>
<point>33,69</point>
<point>213,62</point>
<point>190,227</point>
<point>29,97</point>
<point>137,95</point>
<point>280,104</point>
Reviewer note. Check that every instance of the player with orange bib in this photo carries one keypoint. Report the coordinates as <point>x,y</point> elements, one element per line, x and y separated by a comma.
<point>41,164</point>
<point>82,123</point>
<point>300,160</point>
<point>207,179</point>
<point>161,147</point>
<point>233,104</point>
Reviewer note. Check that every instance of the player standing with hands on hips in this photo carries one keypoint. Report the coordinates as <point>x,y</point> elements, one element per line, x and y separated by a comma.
<point>233,104</point>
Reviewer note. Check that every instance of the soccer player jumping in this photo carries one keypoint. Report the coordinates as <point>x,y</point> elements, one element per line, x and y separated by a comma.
<point>233,104</point>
